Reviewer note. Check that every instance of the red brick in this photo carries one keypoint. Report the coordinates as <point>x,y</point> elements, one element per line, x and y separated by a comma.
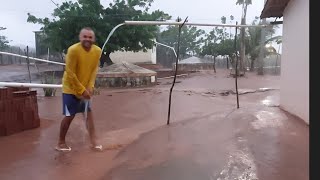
<point>2,105</point>
<point>28,102</point>
<point>2,125</point>
<point>36,120</point>
<point>12,124</point>
<point>19,111</point>
<point>14,89</point>
<point>20,115</point>
<point>2,118</point>
<point>28,120</point>
<point>18,104</point>
<point>17,94</point>
<point>8,106</point>
<point>3,93</point>
<point>10,90</point>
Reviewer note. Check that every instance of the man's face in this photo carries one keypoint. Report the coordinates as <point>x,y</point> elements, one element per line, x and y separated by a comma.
<point>87,38</point>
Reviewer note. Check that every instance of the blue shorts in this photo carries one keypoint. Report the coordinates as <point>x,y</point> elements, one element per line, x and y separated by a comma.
<point>71,105</point>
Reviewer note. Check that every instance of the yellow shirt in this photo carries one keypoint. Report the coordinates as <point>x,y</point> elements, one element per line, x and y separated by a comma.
<point>81,69</point>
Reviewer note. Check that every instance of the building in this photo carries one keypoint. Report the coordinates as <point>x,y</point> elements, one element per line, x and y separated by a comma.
<point>148,57</point>
<point>294,83</point>
<point>194,64</point>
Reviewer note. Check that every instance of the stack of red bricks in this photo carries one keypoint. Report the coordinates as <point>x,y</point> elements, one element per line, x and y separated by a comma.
<point>18,110</point>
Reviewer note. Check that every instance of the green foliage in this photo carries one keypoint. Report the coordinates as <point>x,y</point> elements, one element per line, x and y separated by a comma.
<point>48,79</point>
<point>219,42</point>
<point>253,39</point>
<point>223,20</point>
<point>241,2</point>
<point>3,40</point>
<point>190,40</point>
<point>62,31</point>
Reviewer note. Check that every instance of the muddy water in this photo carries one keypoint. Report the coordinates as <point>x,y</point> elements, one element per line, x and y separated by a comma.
<point>207,139</point>
<point>254,143</point>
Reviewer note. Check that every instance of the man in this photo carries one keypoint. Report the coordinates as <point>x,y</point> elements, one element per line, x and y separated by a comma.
<point>105,58</point>
<point>78,80</point>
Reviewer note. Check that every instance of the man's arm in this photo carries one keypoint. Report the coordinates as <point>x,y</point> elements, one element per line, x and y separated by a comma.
<point>71,78</point>
<point>93,75</point>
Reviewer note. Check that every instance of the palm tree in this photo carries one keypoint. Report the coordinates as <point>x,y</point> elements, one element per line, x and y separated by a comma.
<point>277,39</point>
<point>231,20</point>
<point>253,40</point>
<point>244,4</point>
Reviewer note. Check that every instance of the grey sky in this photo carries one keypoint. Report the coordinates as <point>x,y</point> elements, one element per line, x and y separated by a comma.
<point>13,14</point>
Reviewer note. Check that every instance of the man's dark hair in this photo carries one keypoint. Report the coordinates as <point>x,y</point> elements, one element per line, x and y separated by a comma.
<point>87,28</point>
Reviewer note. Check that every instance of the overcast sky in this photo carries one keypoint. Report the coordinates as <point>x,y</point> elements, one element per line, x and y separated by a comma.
<point>13,14</point>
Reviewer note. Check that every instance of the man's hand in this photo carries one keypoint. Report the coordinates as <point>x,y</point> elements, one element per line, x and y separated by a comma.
<point>90,90</point>
<point>86,95</point>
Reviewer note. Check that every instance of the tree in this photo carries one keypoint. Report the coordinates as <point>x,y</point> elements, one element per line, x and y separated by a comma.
<point>244,4</point>
<point>223,41</point>
<point>223,20</point>
<point>253,39</point>
<point>213,44</point>
<point>277,39</point>
<point>3,40</point>
<point>3,43</point>
<point>231,21</point>
<point>224,35</point>
<point>212,49</point>
<point>69,17</point>
<point>227,50</point>
<point>190,39</point>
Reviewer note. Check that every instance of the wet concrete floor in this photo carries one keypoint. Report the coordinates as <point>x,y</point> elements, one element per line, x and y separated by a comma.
<point>208,138</point>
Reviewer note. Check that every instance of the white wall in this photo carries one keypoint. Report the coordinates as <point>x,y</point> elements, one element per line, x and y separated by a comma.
<point>134,57</point>
<point>294,91</point>
<point>154,55</point>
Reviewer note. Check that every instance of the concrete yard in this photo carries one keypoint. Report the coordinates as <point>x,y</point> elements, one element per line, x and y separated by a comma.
<point>208,138</point>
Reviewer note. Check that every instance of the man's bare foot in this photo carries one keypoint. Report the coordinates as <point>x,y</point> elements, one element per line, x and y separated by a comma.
<point>96,147</point>
<point>62,147</point>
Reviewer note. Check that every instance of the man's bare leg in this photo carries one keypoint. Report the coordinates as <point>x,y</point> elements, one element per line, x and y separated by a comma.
<point>91,130</point>
<point>65,124</point>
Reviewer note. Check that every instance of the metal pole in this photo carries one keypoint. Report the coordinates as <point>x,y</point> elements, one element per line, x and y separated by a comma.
<point>19,54</point>
<point>176,69</point>
<point>110,34</point>
<point>48,54</point>
<point>36,59</point>
<point>187,23</point>
<point>275,70</point>
<point>263,39</point>
<point>28,63</point>
<point>170,23</point>
<point>31,85</point>
<point>174,51</point>
<point>236,53</point>
<point>48,57</point>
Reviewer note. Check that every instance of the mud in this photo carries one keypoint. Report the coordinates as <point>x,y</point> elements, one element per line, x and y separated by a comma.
<point>19,72</point>
<point>208,137</point>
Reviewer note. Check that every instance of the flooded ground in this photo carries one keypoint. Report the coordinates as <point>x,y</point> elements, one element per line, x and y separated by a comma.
<point>208,138</point>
